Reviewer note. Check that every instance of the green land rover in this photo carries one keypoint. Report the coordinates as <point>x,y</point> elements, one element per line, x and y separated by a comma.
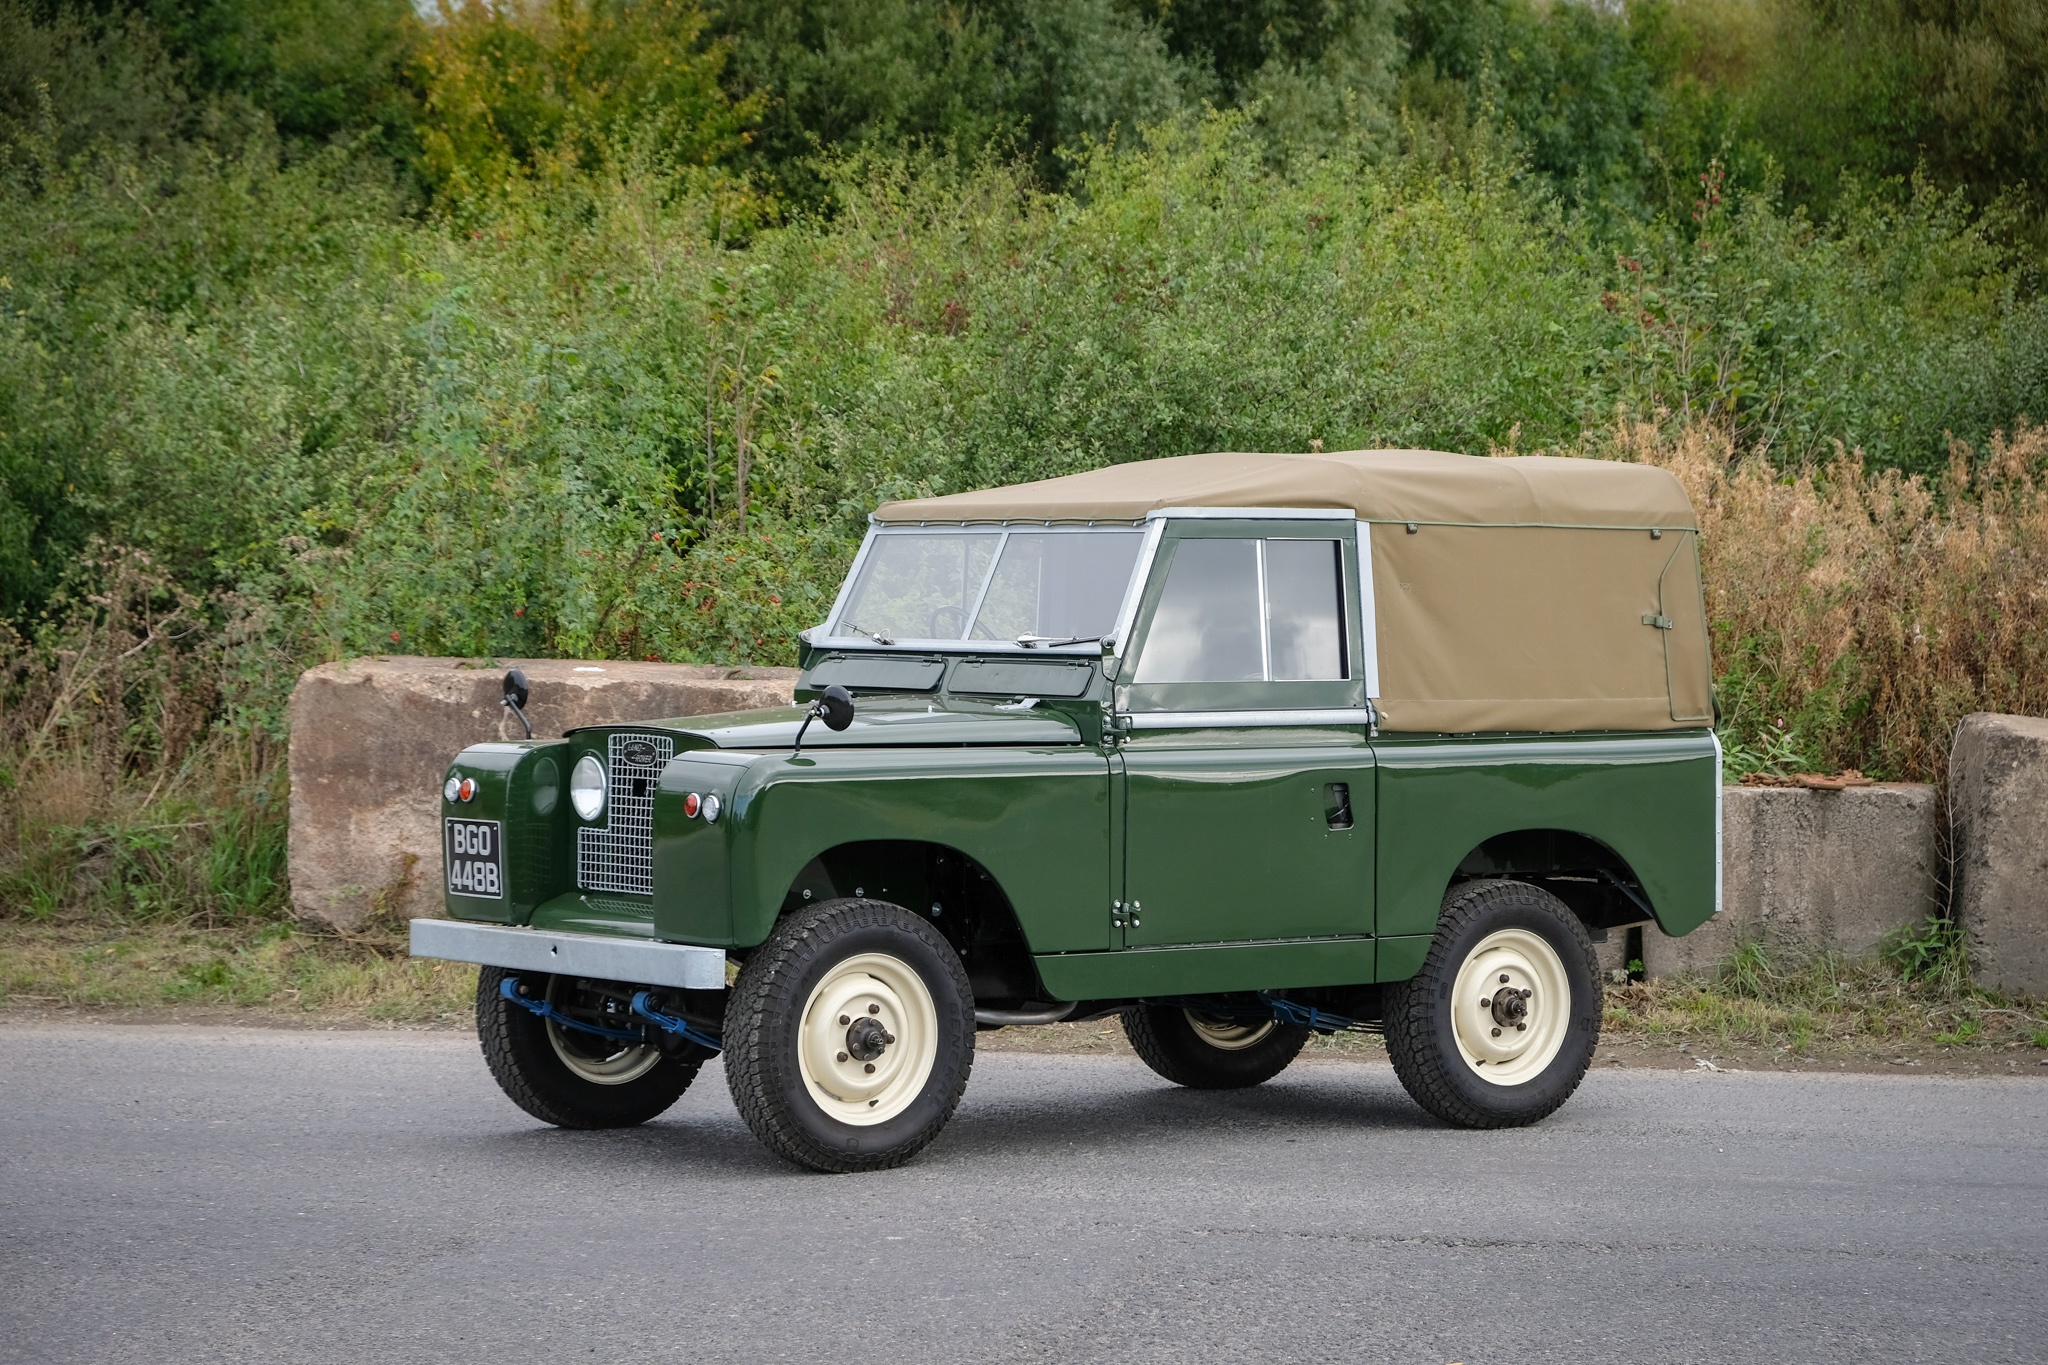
<point>1236,747</point>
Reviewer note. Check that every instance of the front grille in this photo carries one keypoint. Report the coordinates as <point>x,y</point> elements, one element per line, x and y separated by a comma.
<point>619,856</point>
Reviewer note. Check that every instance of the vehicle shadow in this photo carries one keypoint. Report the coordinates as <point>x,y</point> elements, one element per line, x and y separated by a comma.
<point>1305,1105</point>
<point>704,1135</point>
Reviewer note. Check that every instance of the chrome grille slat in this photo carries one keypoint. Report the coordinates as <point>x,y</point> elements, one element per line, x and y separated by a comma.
<point>619,855</point>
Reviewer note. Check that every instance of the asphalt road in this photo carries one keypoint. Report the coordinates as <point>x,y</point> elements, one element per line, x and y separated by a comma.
<point>180,1195</point>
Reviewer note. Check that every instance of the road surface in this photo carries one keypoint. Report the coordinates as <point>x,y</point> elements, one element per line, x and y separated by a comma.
<point>173,1194</point>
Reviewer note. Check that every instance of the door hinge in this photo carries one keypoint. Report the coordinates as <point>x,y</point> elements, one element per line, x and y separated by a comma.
<point>1124,914</point>
<point>1660,622</point>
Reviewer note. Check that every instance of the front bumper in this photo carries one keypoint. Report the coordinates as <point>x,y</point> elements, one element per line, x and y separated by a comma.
<point>636,961</point>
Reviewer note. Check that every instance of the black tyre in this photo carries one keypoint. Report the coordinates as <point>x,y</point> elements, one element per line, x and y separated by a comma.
<point>1211,1051</point>
<point>567,1077</point>
<point>849,1036</point>
<point>1499,1026</point>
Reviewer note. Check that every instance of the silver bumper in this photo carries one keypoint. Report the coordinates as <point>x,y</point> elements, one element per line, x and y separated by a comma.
<point>638,961</point>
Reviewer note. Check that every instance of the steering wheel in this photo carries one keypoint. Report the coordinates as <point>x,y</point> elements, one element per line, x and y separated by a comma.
<point>936,632</point>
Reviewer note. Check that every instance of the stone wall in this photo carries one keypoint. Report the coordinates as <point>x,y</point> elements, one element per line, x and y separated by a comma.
<point>371,740</point>
<point>1806,871</point>
<point>1998,780</point>
<point>1803,870</point>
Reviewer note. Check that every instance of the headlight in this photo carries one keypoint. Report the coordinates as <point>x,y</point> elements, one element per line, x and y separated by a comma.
<point>586,787</point>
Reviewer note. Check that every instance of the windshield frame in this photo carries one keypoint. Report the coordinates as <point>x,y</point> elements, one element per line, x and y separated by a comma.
<point>1152,528</point>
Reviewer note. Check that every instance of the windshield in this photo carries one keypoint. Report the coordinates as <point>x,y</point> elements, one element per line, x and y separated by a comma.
<point>1025,586</point>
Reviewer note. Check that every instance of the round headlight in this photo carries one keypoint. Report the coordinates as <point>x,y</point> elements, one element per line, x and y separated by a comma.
<point>452,790</point>
<point>586,787</point>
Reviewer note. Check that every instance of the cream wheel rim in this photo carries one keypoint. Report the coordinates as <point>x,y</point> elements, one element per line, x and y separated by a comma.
<point>626,1062</point>
<point>1511,1007</point>
<point>1231,1035</point>
<point>868,1039</point>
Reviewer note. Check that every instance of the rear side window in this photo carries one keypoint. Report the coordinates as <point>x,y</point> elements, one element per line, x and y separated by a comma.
<point>1245,610</point>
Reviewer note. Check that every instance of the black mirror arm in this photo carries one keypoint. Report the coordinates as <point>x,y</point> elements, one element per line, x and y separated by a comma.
<point>817,709</point>
<point>513,707</point>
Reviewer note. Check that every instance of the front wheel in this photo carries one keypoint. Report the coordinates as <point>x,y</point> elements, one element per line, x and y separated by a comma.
<point>849,1036</point>
<point>1499,1026</point>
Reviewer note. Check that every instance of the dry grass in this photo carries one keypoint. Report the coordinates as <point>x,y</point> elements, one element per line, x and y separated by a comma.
<point>261,970</point>
<point>1826,1008</point>
<point>1858,616</point>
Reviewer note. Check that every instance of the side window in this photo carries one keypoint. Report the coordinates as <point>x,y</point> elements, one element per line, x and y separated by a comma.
<point>1242,610</point>
<point>1305,610</point>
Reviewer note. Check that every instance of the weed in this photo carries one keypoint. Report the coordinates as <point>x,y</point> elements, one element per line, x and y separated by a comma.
<point>1747,972</point>
<point>1964,1031</point>
<point>1935,950</point>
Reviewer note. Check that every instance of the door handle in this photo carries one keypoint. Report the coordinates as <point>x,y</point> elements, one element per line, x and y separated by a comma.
<point>1337,804</point>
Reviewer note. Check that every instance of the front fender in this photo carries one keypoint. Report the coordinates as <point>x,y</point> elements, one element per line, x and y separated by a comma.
<point>1036,819</point>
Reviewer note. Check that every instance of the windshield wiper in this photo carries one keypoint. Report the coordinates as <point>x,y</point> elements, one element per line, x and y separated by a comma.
<point>874,635</point>
<point>1049,642</point>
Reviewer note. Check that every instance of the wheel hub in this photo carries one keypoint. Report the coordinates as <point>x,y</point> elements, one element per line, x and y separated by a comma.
<point>1510,1007</point>
<point>866,1039</point>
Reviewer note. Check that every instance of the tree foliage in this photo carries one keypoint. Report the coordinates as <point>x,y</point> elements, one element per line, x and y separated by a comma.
<point>597,326</point>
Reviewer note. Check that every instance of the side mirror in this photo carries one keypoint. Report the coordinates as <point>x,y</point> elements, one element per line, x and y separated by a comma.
<point>835,707</point>
<point>516,692</point>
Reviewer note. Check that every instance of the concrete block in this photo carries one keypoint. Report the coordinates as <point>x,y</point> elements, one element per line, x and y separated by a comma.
<point>1814,871</point>
<point>371,739</point>
<point>1998,783</point>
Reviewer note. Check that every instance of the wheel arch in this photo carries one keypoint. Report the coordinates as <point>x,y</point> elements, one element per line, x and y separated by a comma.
<point>1587,874</point>
<point>943,884</point>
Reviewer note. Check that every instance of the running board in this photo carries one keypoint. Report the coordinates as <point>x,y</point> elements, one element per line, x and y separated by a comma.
<point>600,957</point>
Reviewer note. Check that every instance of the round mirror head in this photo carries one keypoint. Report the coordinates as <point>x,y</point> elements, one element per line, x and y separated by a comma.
<point>835,707</point>
<point>515,688</point>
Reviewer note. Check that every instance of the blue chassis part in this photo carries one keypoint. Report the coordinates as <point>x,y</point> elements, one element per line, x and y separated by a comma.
<point>1272,1007</point>
<point>642,1007</point>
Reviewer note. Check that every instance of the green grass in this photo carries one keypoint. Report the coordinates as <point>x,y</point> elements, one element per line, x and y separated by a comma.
<point>265,970</point>
<point>1914,997</point>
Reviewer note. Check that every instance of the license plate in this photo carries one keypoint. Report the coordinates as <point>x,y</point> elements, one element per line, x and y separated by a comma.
<point>476,859</point>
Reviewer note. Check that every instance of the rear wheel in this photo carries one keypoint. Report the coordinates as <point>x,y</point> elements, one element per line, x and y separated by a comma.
<point>1211,1051</point>
<point>566,1076</point>
<point>849,1036</point>
<point>1499,1026</point>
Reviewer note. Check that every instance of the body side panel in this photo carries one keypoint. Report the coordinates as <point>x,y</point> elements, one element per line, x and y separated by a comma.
<point>1651,798</point>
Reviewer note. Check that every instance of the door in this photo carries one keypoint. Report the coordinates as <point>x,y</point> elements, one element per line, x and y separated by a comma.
<point>1244,837</point>
<point>1248,780</point>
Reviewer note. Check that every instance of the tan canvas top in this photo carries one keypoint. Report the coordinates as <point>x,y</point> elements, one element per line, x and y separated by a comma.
<point>1424,486</point>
